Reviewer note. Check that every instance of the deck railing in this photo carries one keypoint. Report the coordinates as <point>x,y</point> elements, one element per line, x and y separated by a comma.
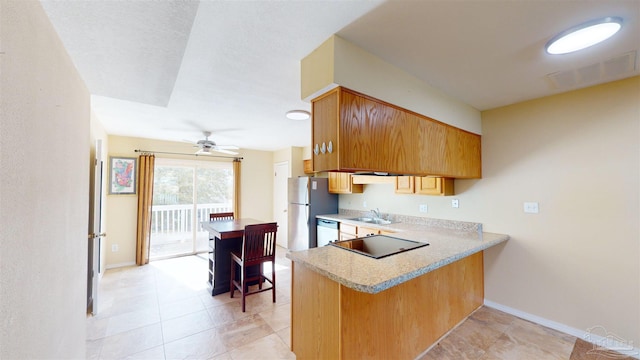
<point>179,218</point>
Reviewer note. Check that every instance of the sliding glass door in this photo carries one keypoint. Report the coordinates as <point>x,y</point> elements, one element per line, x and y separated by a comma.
<point>184,193</point>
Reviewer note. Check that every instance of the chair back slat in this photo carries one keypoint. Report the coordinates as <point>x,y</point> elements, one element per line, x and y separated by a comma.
<point>259,242</point>
<point>221,216</point>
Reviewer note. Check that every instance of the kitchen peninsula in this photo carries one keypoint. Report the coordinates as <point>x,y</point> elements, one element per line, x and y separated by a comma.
<point>349,306</point>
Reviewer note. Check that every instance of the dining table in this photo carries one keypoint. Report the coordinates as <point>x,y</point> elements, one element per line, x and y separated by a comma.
<point>225,236</point>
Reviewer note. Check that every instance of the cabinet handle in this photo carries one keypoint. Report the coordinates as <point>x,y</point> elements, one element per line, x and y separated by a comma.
<point>316,149</point>
<point>330,147</point>
<point>323,149</point>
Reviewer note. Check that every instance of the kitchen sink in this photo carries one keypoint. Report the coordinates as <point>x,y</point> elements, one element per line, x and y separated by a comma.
<point>371,220</point>
<point>378,246</point>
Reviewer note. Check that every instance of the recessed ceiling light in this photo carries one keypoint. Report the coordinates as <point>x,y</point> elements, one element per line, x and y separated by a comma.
<point>298,115</point>
<point>584,35</point>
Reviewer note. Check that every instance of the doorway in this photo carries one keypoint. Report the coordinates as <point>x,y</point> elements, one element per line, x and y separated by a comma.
<point>185,192</point>
<point>280,201</point>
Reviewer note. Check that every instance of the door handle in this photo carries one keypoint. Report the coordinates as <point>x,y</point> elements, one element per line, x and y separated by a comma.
<point>94,235</point>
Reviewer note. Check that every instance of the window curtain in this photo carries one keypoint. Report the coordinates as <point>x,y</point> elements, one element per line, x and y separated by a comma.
<point>237,164</point>
<point>145,200</point>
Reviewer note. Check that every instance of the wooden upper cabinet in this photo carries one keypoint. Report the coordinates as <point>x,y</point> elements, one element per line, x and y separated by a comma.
<point>325,121</point>
<point>341,183</point>
<point>463,154</point>
<point>308,166</point>
<point>366,134</point>
<point>426,185</point>
<point>404,185</point>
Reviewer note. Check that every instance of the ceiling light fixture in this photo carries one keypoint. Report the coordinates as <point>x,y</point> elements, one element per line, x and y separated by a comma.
<point>584,35</point>
<point>298,115</point>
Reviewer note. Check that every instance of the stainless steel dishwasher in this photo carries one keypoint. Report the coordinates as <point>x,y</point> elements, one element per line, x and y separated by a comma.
<point>327,231</point>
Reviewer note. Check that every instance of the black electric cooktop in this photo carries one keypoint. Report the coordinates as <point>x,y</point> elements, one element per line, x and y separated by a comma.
<point>378,246</point>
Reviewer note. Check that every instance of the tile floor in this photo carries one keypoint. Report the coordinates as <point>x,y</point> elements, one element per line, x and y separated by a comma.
<point>489,334</point>
<point>164,311</point>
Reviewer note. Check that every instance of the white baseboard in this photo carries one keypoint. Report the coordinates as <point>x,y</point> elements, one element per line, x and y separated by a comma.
<point>609,341</point>
<point>124,264</point>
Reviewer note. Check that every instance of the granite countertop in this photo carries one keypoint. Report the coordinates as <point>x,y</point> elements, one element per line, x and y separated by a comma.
<point>448,241</point>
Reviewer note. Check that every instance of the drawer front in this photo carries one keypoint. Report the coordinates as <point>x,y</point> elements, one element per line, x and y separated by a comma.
<point>348,229</point>
<point>364,231</point>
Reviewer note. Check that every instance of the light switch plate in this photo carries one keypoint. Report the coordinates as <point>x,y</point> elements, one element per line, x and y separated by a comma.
<point>531,207</point>
<point>455,203</point>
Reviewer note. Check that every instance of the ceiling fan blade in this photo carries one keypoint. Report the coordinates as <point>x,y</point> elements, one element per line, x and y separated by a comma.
<point>227,147</point>
<point>225,151</point>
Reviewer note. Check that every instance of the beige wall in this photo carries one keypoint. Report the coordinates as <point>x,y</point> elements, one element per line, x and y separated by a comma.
<point>340,62</point>
<point>256,192</point>
<point>294,156</point>
<point>44,187</point>
<point>577,155</point>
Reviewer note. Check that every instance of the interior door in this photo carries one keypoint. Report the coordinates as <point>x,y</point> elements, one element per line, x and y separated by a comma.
<point>95,230</point>
<point>280,201</point>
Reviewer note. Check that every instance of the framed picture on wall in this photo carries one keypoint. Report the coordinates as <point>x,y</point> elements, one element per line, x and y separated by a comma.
<point>122,175</point>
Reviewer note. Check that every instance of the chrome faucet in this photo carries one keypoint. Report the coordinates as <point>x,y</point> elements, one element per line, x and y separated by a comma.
<point>376,213</point>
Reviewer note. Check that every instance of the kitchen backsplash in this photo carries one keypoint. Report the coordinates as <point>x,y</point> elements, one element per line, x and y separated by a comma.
<point>441,223</point>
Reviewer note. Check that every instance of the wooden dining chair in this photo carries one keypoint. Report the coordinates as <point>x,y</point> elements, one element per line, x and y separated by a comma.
<point>258,247</point>
<point>221,216</point>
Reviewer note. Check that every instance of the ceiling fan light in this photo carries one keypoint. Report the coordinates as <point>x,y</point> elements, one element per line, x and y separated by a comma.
<point>298,115</point>
<point>584,35</point>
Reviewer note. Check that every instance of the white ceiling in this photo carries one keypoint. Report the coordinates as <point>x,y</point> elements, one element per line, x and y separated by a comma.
<point>170,69</point>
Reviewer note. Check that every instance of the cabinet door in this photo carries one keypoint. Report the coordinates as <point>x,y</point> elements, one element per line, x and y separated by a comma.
<point>434,186</point>
<point>354,130</point>
<point>462,154</point>
<point>344,181</point>
<point>404,185</point>
<point>430,146</point>
<point>346,236</point>
<point>308,166</point>
<point>393,134</point>
<point>325,131</point>
<point>334,183</point>
<point>376,136</point>
<point>364,231</point>
<point>348,231</point>
<point>341,183</point>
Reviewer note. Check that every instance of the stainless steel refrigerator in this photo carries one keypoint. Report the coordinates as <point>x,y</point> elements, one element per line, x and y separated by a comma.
<point>308,197</point>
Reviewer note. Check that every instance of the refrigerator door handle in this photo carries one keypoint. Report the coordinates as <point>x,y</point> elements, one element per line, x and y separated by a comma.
<point>306,212</point>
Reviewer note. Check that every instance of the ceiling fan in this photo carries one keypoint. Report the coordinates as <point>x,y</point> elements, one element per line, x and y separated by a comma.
<point>207,146</point>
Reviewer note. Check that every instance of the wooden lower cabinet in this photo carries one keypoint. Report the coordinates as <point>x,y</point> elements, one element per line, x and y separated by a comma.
<point>331,321</point>
<point>348,231</point>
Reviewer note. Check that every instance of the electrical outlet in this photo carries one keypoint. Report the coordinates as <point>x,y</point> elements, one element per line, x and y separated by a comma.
<point>424,208</point>
<point>531,207</point>
<point>455,203</point>
<point>114,247</point>
<point>364,204</point>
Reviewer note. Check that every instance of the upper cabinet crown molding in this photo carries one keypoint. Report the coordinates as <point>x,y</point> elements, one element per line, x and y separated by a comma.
<point>354,132</point>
